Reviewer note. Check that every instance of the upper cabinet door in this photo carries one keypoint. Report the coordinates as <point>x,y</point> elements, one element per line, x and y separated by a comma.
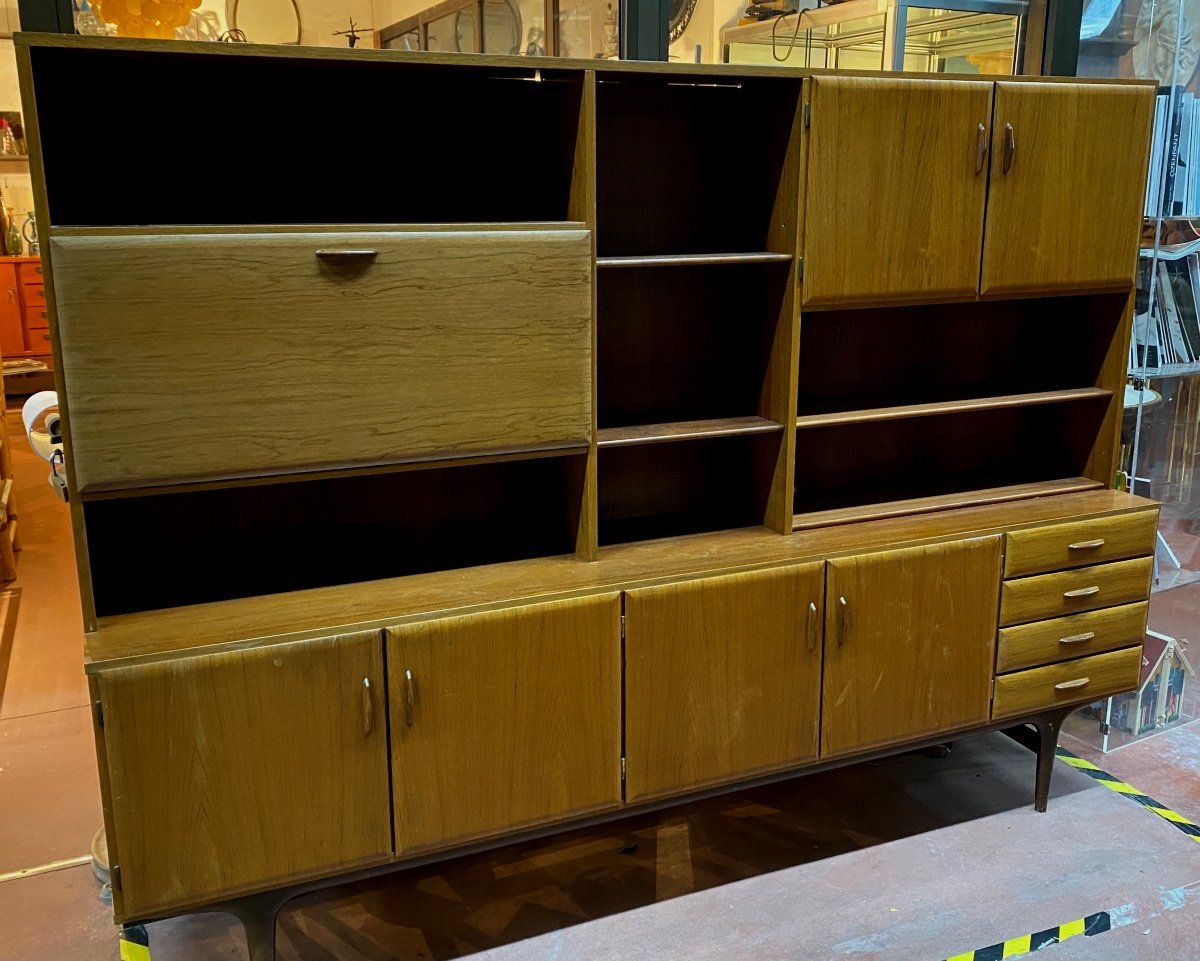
<point>504,720</point>
<point>1068,170</point>
<point>722,678</point>
<point>909,643</point>
<point>245,770</point>
<point>897,175</point>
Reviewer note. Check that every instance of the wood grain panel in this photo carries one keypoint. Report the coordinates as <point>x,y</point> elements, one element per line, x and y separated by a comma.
<point>516,720</point>
<point>1072,592</point>
<point>894,207</point>
<point>1067,212</point>
<point>268,620</point>
<point>1080,543</point>
<point>457,341</point>
<point>910,652</point>
<point>1046,642</point>
<point>246,769</point>
<point>1058,685</point>
<point>722,678</point>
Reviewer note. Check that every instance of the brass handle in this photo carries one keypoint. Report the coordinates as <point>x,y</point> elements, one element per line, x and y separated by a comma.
<point>1070,685</point>
<point>812,625</point>
<point>12,295</point>
<point>1010,146</point>
<point>408,698</point>
<point>368,706</point>
<point>1082,592</point>
<point>1077,638</point>
<point>842,621</point>
<point>1086,545</point>
<point>347,254</point>
<point>981,147</point>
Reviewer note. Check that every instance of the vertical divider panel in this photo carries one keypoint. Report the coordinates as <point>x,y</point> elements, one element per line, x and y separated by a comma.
<point>778,399</point>
<point>581,207</point>
<point>1104,461</point>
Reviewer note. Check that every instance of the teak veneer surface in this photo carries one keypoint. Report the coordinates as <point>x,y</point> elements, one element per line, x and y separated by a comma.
<point>232,385</point>
<point>269,619</point>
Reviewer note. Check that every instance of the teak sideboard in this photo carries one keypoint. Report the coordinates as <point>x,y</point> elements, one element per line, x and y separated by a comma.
<point>566,438</point>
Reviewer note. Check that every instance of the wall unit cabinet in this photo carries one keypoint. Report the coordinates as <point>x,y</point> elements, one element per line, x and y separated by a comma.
<point>551,435</point>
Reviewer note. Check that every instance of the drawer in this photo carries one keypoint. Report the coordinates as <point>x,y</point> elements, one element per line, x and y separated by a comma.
<point>39,339</point>
<point>1078,681</point>
<point>1045,642</point>
<point>37,317</point>
<point>34,298</point>
<point>31,274</point>
<point>461,341</point>
<point>1072,592</point>
<point>1059,547</point>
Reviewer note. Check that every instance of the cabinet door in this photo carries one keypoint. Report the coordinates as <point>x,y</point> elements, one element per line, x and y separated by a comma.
<point>909,642</point>
<point>1068,173</point>
<point>12,331</point>
<point>896,186</point>
<point>722,678</point>
<point>504,720</point>
<point>246,769</point>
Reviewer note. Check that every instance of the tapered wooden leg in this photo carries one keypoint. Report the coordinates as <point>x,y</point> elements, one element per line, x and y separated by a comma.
<point>1048,728</point>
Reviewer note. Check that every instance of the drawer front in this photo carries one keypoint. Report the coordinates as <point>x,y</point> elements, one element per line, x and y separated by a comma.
<point>31,273</point>
<point>1060,547</point>
<point>1045,642</point>
<point>34,296</point>
<point>1073,592</point>
<point>1071,682</point>
<point>39,339</point>
<point>37,317</point>
<point>281,351</point>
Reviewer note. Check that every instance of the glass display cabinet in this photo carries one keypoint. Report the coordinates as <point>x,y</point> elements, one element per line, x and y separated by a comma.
<point>929,36</point>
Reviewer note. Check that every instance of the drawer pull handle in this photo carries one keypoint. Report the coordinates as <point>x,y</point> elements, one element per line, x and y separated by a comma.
<point>842,621</point>
<point>1010,146</point>
<point>1086,545</point>
<point>812,625</point>
<point>408,698</point>
<point>1082,592</point>
<point>981,147</point>
<point>1077,638</point>
<point>1071,685</point>
<point>347,254</point>
<point>368,706</point>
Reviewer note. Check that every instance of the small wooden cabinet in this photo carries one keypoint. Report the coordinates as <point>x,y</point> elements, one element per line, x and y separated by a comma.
<point>504,719</point>
<point>909,643</point>
<point>722,678</point>
<point>230,771</point>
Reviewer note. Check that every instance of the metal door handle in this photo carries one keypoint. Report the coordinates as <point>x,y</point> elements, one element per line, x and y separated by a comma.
<point>368,706</point>
<point>1086,545</point>
<point>842,621</point>
<point>981,147</point>
<point>1082,591</point>
<point>348,254</point>
<point>812,625</point>
<point>408,698</point>
<point>1077,638</point>
<point>1070,685</point>
<point>1010,146</point>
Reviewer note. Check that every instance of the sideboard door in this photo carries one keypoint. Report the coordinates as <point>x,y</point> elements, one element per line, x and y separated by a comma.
<point>722,678</point>
<point>504,720</point>
<point>245,770</point>
<point>909,643</point>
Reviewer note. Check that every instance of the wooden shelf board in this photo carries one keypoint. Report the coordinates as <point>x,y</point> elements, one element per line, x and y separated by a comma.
<point>14,158</point>
<point>142,487</point>
<point>684,260</point>
<point>926,505</point>
<point>684,430</point>
<point>951,407</point>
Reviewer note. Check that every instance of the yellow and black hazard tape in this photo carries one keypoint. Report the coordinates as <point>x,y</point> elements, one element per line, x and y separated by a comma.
<point>1190,828</point>
<point>1027,943</point>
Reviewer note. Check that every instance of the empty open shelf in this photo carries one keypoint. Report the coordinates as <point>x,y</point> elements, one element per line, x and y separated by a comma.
<point>683,260</point>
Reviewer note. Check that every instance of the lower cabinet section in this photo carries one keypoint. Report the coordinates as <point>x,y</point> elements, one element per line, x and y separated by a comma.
<point>1071,682</point>
<point>722,678</point>
<point>504,720</point>
<point>244,769</point>
<point>909,643</point>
